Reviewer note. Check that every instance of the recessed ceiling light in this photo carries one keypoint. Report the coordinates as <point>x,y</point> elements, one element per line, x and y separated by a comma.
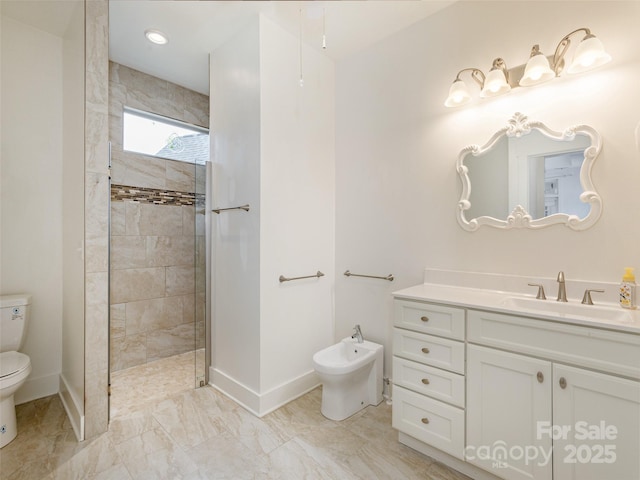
<point>155,36</point>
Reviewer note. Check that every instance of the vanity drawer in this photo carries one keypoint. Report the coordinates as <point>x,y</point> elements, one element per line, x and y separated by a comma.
<point>430,350</point>
<point>434,319</point>
<point>605,350</point>
<point>434,382</point>
<point>430,421</point>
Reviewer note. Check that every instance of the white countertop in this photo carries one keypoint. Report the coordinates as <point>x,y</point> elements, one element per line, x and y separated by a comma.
<point>601,315</point>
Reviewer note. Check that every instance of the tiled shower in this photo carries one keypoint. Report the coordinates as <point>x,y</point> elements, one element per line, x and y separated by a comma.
<point>157,238</point>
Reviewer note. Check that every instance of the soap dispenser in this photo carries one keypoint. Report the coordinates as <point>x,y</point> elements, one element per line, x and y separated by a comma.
<point>628,289</point>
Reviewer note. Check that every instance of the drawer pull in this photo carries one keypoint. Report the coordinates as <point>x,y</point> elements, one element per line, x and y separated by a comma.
<point>425,420</point>
<point>563,382</point>
<point>424,319</point>
<point>540,377</point>
<point>425,350</point>
<point>425,381</point>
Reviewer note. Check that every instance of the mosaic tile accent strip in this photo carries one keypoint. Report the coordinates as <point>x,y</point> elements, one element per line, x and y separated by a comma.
<point>154,196</point>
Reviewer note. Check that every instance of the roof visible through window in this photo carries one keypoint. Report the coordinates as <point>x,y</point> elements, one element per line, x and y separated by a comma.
<point>164,137</point>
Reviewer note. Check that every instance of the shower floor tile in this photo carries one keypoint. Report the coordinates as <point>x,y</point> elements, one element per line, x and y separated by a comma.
<point>137,387</point>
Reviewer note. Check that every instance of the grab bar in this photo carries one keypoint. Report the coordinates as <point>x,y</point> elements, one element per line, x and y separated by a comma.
<point>318,274</point>
<point>388,277</point>
<point>243,207</point>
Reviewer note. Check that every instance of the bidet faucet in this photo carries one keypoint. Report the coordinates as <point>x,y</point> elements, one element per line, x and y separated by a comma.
<point>562,290</point>
<point>358,334</point>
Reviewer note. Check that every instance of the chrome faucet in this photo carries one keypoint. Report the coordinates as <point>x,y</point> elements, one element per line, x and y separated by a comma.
<point>358,334</point>
<point>562,290</point>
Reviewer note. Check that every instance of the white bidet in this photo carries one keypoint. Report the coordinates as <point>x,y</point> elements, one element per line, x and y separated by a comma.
<point>351,375</point>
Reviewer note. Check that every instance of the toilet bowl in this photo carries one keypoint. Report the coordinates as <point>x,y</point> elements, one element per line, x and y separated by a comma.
<point>351,376</point>
<point>15,367</point>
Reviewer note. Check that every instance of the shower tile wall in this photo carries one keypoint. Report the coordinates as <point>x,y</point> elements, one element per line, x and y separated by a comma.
<point>96,229</point>
<point>157,240</point>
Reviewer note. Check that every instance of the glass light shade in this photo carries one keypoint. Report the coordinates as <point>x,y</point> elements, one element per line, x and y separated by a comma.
<point>458,94</point>
<point>495,84</point>
<point>537,71</point>
<point>589,54</point>
<point>156,36</point>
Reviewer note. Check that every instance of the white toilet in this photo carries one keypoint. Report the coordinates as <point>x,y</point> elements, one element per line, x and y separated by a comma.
<point>15,367</point>
<point>351,375</point>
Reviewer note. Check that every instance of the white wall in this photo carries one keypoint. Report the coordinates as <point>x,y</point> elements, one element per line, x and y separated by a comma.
<point>235,153</point>
<point>31,211</point>
<point>297,205</point>
<point>272,147</point>
<point>396,185</point>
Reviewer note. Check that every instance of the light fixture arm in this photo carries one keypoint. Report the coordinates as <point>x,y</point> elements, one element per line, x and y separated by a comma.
<point>535,50</point>
<point>476,75</point>
<point>563,46</point>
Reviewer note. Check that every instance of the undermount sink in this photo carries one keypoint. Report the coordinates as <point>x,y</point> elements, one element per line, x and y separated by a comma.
<point>562,309</point>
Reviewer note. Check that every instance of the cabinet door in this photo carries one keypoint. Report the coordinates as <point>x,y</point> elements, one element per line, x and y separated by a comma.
<point>597,426</point>
<point>507,396</point>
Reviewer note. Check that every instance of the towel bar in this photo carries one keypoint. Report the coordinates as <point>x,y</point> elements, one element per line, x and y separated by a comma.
<point>388,277</point>
<point>318,274</point>
<point>243,207</point>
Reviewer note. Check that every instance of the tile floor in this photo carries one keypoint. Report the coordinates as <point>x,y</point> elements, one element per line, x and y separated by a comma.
<point>195,434</point>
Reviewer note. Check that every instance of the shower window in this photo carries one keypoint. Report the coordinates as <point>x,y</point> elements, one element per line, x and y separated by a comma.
<point>164,137</point>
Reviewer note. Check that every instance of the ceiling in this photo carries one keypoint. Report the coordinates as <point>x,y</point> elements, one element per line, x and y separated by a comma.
<point>52,16</point>
<point>195,28</point>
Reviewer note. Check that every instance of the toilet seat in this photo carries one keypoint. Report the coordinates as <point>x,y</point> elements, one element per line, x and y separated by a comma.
<point>13,364</point>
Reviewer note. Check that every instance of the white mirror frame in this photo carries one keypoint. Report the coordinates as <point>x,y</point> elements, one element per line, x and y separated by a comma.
<point>517,126</point>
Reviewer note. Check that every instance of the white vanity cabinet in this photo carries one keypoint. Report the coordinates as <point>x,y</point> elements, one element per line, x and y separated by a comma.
<point>428,374</point>
<point>508,396</point>
<point>501,393</point>
<point>542,387</point>
<point>608,408</point>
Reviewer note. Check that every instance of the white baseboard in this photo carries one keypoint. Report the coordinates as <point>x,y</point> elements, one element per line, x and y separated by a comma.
<point>261,404</point>
<point>282,394</point>
<point>35,388</point>
<point>235,390</point>
<point>73,407</point>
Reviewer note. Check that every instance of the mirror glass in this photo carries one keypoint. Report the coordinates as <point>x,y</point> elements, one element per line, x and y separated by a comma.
<point>530,176</point>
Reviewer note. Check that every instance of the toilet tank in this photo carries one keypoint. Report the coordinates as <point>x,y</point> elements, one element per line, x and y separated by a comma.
<point>14,319</point>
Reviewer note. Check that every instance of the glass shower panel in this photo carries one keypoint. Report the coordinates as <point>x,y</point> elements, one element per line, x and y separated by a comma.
<point>200,273</point>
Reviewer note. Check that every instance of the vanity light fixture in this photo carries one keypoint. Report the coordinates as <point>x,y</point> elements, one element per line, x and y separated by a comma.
<point>497,82</point>
<point>459,93</point>
<point>588,54</point>
<point>156,36</point>
<point>537,70</point>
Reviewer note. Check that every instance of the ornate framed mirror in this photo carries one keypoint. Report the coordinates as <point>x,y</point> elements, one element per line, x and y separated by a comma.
<point>529,176</point>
